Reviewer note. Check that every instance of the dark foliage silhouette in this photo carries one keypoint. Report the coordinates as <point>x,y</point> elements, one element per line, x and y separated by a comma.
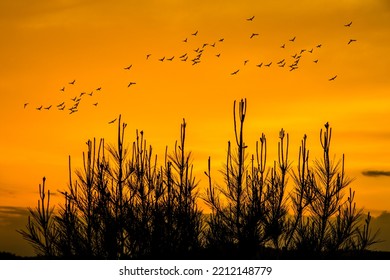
<point>124,204</point>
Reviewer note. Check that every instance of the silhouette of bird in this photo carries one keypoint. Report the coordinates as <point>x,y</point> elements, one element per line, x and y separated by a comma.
<point>61,108</point>
<point>39,108</point>
<point>62,89</point>
<point>283,46</point>
<point>246,61</point>
<point>162,59</point>
<point>235,72</point>
<point>182,56</point>
<point>73,111</point>
<point>74,99</point>
<point>90,94</point>
<point>82,93</point>
<point>131,83</point>
<point>333,78</point>
<point>268,65</point>
<point>292,39</point>
<point>99,88</point>
<point>259,65</point>
<point>194,34</point>
<point>59,105</point>
<point>310,51</point>
<point>128,67</point>
<point>348,25</point>
<point>148,55</point>
<point>184,59</point>
<point>221,40</point>
<point>48,108</point>
<point>185,40</point>
<point>218,55</point>
<point>72,82</point>
<point>351,41</point>
<point>170,59</point>
<point>253,35</point>
<point>280,62</point>
<point>319,46</point>
<point>251,18</point>
<point>315,61</point>
<point>213,45</point>
<point>95,104</point>
<point>110,122</point>
<point>25,105</point>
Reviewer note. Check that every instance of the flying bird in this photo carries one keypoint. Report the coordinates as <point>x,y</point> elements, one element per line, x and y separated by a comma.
<point>348,25</point>
<point>48,108</point>
<point>218,55</point>
<point>259,65</point>
<point>253,35</point>
<point>185,40</point>
<point>283,46</point>
<point>72,82</point>
<point>130,84</point>
<point>39,108</point>
<point>292,39</point>
<point>62,89</point>
<point>82,93</point>
<point>99,88</point>
<point>148,55</point>
<point>110,122</point>
<point>221,40</point>
<point>184,55</point>
<point>319,46</point>
<point>95,104</point>
<point>280,62</point>
<point>333,78</point>
<point>315,61</point>
<point>128,67</point>
<point>24,106</point>
<point>59,105</point>
<point>251,18</point>
<point>235,72</point>
<point>194,34</point>
<point>351,41</point>
<point>162,59</point>
<point>268,65</point>
<point>170,59</point>
<point>246,61</point>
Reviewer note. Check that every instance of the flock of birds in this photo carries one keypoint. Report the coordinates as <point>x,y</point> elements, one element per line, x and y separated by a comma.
<point>194,57</point>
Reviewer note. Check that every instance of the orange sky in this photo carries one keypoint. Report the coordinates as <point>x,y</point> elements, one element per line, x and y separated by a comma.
<point>44,46</point>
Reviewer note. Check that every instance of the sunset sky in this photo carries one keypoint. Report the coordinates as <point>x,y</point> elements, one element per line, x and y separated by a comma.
<point>45,45</point>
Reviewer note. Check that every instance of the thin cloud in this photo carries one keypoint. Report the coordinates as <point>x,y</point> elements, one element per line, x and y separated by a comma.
<point>376,173</point>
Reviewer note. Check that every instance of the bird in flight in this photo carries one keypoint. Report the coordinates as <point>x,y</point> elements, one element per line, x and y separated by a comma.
<point>39,108</point>
<point>59,105</point>
<point>62,89</point>
<point>283,46</point>
<point>333,78</point>
<point>48,108</point>
<point>99,88</point>
<point>110,122</point>
<point>246,61</point>
<point>251,18</point>
<point>348,25</point>
<point>148,55</point>
<point>24,106</point>
<point>235,72</point>
<point>253,35</point>
<point>170,59</point>
<point>184,55</point>
<point>128,67</point>
<point>221,40</point>
<point>72,82</point>
<point>194,34</point>
<point>319,46</point>
<point>268,65</point>
<point>95,104</point>
<point>131,83</point>
<point>218,55</point>
<point>162,59</point>
<point>315,61</point>
<point>351,41</point>
<point>259,65</point>
<point>81,94</point>
<point>292,39</point>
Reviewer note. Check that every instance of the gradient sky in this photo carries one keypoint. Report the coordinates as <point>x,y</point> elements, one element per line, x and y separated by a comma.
<point>47,44</point>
